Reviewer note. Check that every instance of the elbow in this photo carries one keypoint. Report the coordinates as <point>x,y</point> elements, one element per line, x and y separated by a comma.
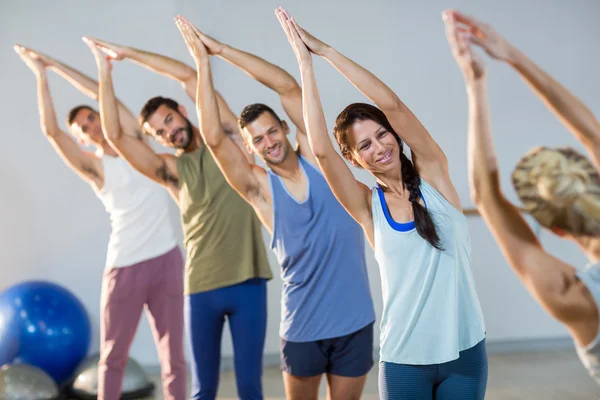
<point>321,154</point>
<point>189,75</point>
<point>392,105</point>
<point>289,87</point>
<point>212,137</point>
<point>50,132</point>
<point>112,135</point>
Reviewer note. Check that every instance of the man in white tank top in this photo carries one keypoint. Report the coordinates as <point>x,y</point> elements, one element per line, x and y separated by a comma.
<point>144,266</point>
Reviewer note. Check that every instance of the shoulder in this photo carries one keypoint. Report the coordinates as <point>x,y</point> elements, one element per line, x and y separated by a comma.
<point>443,190</point>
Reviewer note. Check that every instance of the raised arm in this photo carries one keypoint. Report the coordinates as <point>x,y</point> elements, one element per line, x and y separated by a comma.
<point>178,71</point>
<point>546,277</point>
<point>568,108</point>
<point>353,195</point>
<point>158,63</point>
<point>240,174</point>
<point>89,87</point>
<point>160,168</point>
<point>85,164</point>
<point>428,157</point>
<point>273,77</point>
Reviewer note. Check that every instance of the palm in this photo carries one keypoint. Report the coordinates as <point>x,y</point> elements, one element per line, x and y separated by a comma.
<point>494,47</point>
<point>101,59</point>
<point>35,64</point>
<point>212,46</point>
<point>315,45</point>
<point>114,51</point>
<point>483,35</point>
<point>300,47</point>
<point>191,36</point>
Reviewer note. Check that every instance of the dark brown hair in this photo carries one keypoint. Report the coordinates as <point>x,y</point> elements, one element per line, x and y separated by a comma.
<point>410,177</point>
<point>75,110</point>
<point>152,105</point>
<point>252,112</point>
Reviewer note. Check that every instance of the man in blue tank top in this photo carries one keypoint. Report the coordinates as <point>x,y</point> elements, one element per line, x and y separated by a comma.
<point>327,313</point>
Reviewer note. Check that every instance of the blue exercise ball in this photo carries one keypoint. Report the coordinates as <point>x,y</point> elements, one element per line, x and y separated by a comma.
<point>46,326</point>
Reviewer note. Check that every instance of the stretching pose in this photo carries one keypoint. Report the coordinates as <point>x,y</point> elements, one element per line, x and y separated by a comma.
<point>432,329</point>
<point>560,188</point>
<point>227,266</point>
<point>144,266</point>
<point>327,312</point>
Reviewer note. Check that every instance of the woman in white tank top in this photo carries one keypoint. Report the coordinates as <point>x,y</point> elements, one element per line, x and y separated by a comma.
<point>560,188</point>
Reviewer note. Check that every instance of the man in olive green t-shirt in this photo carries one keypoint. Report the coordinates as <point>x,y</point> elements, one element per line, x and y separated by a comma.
<point>226,266</point>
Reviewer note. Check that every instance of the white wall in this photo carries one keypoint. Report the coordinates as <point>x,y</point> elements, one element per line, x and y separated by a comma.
<point>53,227</point>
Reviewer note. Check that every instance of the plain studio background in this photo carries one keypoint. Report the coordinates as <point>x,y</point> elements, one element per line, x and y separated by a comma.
<point>54,228</point>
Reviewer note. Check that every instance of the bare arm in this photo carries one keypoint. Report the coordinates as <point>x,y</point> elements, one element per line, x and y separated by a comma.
<point>404,122</point>
<point>83,163</point>
<point>178,71</point>
<point>89,87</point>
<point>428,155</point>
<point>163,65</point>
<point>546,277</point>
<point>160,168</point>
<point>273,77</point>
<point>353,195</point>
<point>236,168</point>
<point>428,158</point>
<point>568,108</point>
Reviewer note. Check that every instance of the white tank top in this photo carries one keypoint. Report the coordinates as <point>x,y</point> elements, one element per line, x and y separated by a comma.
<point>431,311</point>
<point>139,215</point>
<point>590,354</point>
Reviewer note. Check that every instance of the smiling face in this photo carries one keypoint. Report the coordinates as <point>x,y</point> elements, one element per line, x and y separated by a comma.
<point>85,125</point>
<point>169,127</point>
<point>267,137</point>
<point>367,139</point>
<point>265,133</point>
<point>373,146</point>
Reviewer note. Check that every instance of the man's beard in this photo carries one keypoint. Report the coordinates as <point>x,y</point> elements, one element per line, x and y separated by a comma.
<point>189,133</point>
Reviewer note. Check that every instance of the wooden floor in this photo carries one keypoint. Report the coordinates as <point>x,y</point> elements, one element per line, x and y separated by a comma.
<point>547,375</point>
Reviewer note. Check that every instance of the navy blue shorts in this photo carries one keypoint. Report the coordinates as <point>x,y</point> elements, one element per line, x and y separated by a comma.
<point>350,355</point>
<point>464,378</point>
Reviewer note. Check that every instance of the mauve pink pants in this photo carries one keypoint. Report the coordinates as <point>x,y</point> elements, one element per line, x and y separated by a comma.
<point>156,284</point>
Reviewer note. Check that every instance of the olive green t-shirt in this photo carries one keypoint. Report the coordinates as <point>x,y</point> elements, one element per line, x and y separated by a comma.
<point>222,234</point>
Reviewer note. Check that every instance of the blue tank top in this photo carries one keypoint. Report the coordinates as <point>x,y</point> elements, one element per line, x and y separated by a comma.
<point>430,307</point>
<point>321,251</point>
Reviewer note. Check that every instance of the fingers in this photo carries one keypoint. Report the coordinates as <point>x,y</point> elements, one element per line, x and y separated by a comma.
<point>25,52</point>
<point>464,19</point>
<point>301,32</point>
<point>191,26</point>
<point>476,40</point>
<point>476,27</point>
<point>190,36</point>
<point>293,30</point>
<point>283,22</point>
<point>90,43</point>
<point>93,47</point>
<point>285,13</point>
<point>452,33</point>
<point>294,25</point>
<point>183,30</point>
